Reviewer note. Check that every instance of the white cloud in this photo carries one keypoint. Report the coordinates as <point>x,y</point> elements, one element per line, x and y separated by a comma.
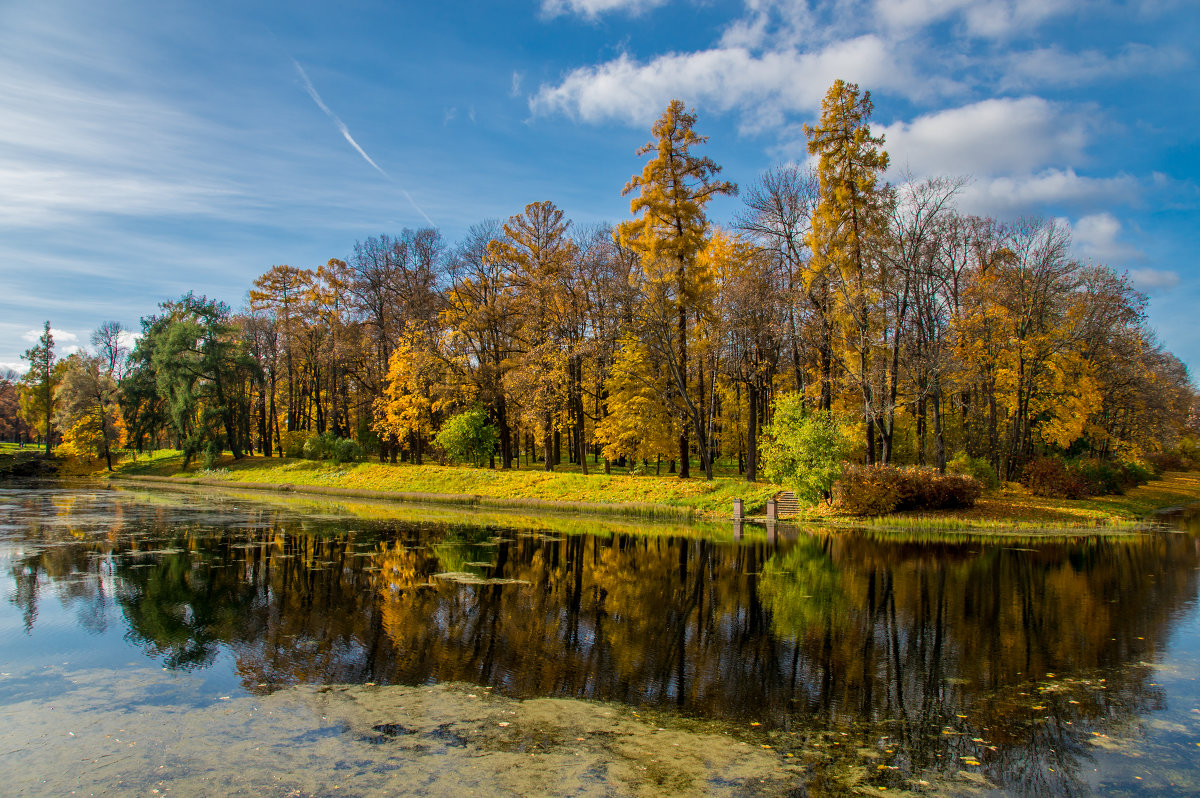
<point>988,137</point>
<point>1154,280</point>
<point>1009,194</point>
<point>1054,67</point>
<point>60,336</point>
<point>764,86</point>
<point>594,8</point>
<point>1098,237</point>
<point>128,339</point>
<point>989,19</point>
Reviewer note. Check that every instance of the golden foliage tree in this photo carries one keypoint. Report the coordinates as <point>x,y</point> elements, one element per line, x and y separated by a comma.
<point>87,409</point>
<point>672,192</point>
<point>848,231</point>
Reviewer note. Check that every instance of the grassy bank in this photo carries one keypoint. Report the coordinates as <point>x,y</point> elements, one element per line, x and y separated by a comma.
<point>1010,509</point>
<point>647,495</point>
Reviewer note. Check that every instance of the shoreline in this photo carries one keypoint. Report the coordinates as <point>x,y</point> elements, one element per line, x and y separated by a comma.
<point>998,514</point>
<point>664,512</point>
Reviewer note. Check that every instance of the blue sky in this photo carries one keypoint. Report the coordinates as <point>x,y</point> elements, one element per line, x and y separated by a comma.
<point>148,149</point>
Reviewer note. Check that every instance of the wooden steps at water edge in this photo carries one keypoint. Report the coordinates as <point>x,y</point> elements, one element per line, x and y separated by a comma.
<point>786,504</point>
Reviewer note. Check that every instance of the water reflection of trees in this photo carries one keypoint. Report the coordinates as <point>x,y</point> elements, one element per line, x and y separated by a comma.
<point>953,651</point>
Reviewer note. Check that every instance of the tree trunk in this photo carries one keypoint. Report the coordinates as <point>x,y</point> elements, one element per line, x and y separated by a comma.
<point>752,432</point>
<point>501,412</point>
<point>939,434</point>
<point>870,442</point>
<point>579,431</point>
<point>49,405</point>
<point>921,415</point>
<point>684,448</point>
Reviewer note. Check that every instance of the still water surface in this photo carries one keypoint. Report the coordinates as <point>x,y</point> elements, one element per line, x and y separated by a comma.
<point>292,648</point>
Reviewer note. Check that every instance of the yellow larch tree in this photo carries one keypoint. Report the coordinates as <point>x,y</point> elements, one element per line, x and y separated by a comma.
<point>848,230</point>
<point>672,192</point>
<point>639,424</point>
<point>537,253</point>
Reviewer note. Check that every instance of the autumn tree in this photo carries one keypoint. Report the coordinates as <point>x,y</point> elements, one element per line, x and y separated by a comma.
<point>752,327</point>
<point>39,383</point>
<point>481,316</point>
<point>12,425</point>
<point>281,292</point>
<point>672,192</point>
<point>638,424</point>
<point>537,254</point>
<point>414,391</point>
<point>394,286</point>
<point>910,295</point>
<point>849,228</point>
<point>87,409</point>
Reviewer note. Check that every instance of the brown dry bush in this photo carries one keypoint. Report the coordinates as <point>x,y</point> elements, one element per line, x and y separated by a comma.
<point>879,490</point>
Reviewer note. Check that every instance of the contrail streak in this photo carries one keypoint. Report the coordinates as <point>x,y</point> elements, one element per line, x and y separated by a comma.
<point>312,92</point>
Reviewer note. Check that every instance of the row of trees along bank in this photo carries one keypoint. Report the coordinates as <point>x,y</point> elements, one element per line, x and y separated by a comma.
<point>669,339</point>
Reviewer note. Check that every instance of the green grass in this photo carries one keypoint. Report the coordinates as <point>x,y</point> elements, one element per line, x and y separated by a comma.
<point>1004,512</point>
<point>642,495</point>
<point>548,523</point>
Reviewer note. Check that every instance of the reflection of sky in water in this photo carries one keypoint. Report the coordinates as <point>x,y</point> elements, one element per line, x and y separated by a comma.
<point>1161,749</point>
<point>803,636</point>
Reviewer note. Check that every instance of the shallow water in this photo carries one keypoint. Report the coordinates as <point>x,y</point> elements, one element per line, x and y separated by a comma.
<point>212,643</point>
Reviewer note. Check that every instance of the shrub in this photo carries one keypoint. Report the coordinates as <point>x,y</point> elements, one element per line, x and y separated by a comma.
<point>1053,478</point>
<point>346,450</point>
<point>1078,479</point>
<point>292,442</point>
<point>878,490</point>
<point>468,437</point>
<point>802,450</point>
<point>212,452</point>
<point>863,490</point>
<point>929,489</point>
<point>327,446</point>
<point>320,447</point>
<point>1181,459</point>
<point>1099,477</point>
<point>977,467</point>
<point>1138,473</point>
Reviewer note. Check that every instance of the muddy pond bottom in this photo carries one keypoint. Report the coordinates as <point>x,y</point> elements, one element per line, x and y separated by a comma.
<point>210,643</point>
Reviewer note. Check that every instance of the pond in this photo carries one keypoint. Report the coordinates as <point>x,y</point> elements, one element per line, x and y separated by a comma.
<point>208,642</point>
